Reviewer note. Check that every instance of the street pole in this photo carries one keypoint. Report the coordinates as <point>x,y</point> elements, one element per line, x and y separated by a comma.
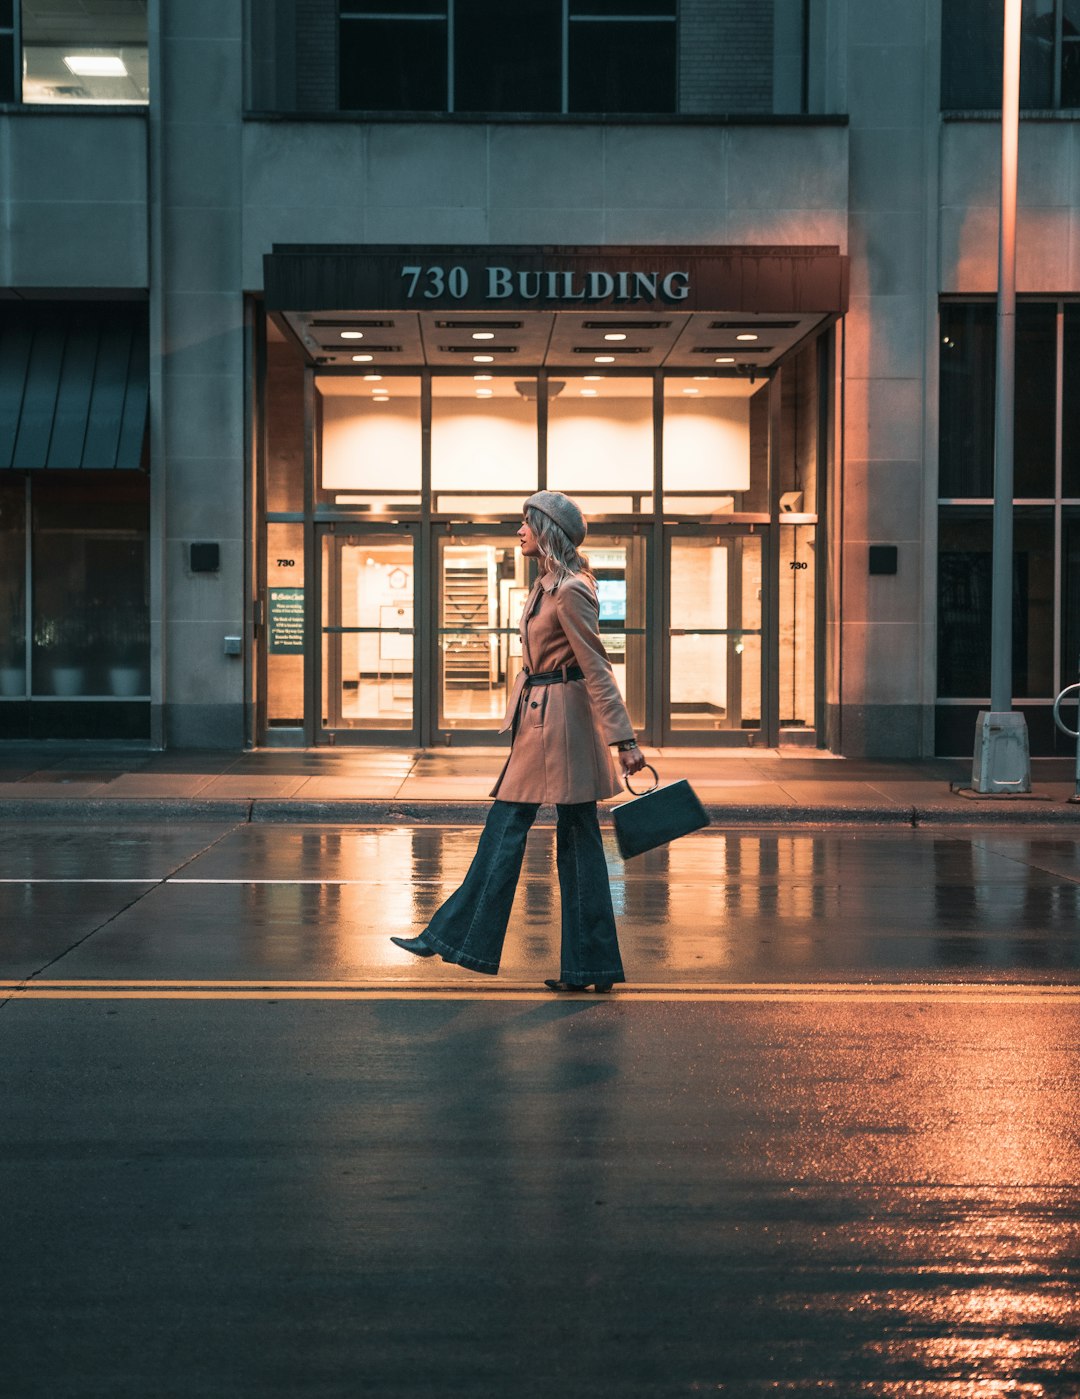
<point>1002,761</point>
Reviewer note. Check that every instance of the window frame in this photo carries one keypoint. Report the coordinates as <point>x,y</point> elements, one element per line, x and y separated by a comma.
<point>572,12</point>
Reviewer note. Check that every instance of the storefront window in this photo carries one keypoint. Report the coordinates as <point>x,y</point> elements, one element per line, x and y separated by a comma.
<point>91,586</point>
<point>87,54</point>
<point>706,445</point>
<point>284,610</point>
<point>600,440</point>
<point>13,589</point>
<point>284,410</point>
<point>797,455</point>
<point>965,577</point>
<point>483,583</point>
<point>1070,405</point>
<point>371,448</point>
<point>483,435</point>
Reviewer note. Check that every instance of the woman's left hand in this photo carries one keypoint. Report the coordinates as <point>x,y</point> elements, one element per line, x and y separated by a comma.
<point>632,759</point>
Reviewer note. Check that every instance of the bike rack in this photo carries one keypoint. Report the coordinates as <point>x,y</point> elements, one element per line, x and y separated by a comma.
<point>1072,733</point>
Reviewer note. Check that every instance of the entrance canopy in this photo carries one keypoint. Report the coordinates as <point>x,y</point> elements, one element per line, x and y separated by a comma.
<point>713,310</point>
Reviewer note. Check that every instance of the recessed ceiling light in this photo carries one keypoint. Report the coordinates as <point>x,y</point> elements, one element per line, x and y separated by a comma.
<point>373,378</point>
<point>381,398</point>
<point>701,378</point>
<point>484,393</point>
<point>483,359</point>
<point>362,359</point>
<point>594,377</point>
<point>603,359</point>
<point>615,335</point>
<point>479,377</point>
<point>87,65</point>
<point>725,359</point>
<point>691,390</point>
<point>483,335</point>
<point>589,393</point>
<point>352,335</point>
<point>747,335</point>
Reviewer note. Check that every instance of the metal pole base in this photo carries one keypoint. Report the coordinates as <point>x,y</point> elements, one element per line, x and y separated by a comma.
<point>1002,760</point>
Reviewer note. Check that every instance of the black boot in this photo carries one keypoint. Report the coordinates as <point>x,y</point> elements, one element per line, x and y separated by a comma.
<point>600,987</point>
<point>415,945</point>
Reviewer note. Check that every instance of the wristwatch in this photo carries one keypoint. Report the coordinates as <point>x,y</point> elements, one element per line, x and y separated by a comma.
<point>625,745</point>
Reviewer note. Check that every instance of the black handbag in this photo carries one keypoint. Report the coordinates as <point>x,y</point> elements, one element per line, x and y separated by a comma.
<point>657,816</point>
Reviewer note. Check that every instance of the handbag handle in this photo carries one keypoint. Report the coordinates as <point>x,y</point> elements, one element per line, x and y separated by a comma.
<point>656,782</point>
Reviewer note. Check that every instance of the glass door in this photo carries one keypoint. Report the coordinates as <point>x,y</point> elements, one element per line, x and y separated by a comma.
<point>367,681</point>
<point>714,662</point>
<point>482,582</point>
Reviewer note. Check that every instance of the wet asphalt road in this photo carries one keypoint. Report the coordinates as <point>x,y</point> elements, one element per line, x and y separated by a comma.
<point>825,1142</point>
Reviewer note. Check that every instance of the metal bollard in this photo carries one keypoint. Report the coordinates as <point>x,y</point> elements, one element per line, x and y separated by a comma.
<point>1073,733</point>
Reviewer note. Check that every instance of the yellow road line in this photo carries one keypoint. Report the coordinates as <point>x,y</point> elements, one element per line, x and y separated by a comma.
<point>105,989</point>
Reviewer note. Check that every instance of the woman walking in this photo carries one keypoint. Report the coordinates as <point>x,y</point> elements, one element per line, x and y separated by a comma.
<point>564,711</point>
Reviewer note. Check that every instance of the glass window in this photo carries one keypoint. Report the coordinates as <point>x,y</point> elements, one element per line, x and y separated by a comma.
<point>622,56</point>
<point>1070,596</point>
<point>798,446</point>
<point>1036,357</point>
<point>600,436</point>
<point>75,52</point>
<point>1070,404</point>
<point>7,50</point>
<point>965,577</point>
<point>966,422</point>
<point>284,637</point>
<point>392,56</point>
<point>483,434</point>
<point>706,443</point>
<point>284,410</point>
<point>968,370</point>
<point>798,580</point>
<point>507,58</point>
<point>91,583</point>
<point>618,562</point>
<point>971,54</point>
<point>371,438</point>
<point>12,589</point>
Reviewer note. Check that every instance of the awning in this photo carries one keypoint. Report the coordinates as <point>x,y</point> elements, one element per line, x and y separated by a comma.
<point>74,385</point>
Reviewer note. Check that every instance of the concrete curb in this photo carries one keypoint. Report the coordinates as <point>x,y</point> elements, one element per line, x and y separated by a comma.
<point>123,810</point>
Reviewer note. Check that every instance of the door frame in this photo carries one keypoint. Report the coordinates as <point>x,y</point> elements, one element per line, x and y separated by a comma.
<point>316,733</point>
<point>766,735</point>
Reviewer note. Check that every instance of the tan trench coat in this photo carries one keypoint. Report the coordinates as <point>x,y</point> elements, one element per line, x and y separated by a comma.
<point>560,752</point>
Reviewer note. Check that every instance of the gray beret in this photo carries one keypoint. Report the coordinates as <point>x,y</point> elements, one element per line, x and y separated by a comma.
<point>563,511</point>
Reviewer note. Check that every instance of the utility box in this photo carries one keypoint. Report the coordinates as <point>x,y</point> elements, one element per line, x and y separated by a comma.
<point>1002,760</point>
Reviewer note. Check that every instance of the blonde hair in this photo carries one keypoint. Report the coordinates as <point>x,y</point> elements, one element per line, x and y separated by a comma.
<point>556,547</point>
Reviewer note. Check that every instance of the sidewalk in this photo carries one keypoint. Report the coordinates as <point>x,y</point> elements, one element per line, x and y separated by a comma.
<point>793,786</point>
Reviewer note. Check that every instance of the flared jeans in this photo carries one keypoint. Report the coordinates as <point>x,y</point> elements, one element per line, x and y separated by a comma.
<point>470,927</point>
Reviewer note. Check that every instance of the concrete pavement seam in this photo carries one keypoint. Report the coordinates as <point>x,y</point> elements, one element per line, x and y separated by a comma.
<point>152,885</point>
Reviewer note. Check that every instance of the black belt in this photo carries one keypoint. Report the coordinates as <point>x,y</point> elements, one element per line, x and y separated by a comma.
<point>555,677</point>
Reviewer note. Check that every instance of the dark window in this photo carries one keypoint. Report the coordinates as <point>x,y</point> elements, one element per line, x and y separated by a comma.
<point>965,575</point>
<point>393,56</point>
<point>624,62</point>
<point>968,369</point>
<point>971,54</point>
<point>1036,357</point>
<point>1070,597</point>
<point>966,423</point>
<point>12,588</point>
<point>508,58</point>
<point>529,56</point>
<point>7,51</point>
<point>91,584</point>
<point>1070,405</point>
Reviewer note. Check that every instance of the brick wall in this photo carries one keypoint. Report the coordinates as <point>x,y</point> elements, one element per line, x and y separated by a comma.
<point>726,56</point>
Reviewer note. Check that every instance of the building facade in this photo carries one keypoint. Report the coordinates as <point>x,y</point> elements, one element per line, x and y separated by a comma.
<point>299,300</point>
